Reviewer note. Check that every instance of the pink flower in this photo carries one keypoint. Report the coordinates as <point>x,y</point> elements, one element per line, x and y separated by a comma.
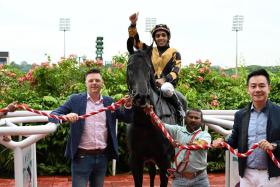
<point>201,70</point>
<point>99,62</point>
<point>207,62</point>
<point>223,74</point>
<point>72,56</point>
<point>214,103</point>
<point>199,61</point>
<point>200,79</point>
<point>45,64</point>
<point>191,65</point>
<point>11,74</point>
<point>234,76</point>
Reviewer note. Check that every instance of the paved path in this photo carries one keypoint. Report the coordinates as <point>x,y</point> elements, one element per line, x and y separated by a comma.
<point>122,180</point>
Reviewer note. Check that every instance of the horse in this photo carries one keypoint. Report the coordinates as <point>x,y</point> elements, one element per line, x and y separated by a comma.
<point>146,142</point>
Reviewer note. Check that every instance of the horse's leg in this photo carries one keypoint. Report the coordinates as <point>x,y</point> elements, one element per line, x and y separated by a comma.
<point>137,166</point>
<point>152,172</point>
<point>163,164</point>
<point>163,178</point>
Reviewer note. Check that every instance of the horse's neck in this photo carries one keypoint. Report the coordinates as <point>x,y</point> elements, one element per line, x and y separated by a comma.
<point>139,114</point>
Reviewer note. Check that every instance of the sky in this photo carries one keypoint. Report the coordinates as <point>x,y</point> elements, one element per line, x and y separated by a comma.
<point>200,29</point>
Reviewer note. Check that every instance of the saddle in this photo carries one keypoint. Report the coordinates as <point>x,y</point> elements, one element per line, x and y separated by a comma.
<point>164,109</point>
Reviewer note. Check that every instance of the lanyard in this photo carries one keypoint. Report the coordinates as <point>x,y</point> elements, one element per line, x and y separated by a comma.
<point>183,164</point>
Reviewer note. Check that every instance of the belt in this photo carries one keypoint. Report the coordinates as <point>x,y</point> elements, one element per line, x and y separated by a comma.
<point>257,168</point>
<point>90,151</point>
<point>189,175</point>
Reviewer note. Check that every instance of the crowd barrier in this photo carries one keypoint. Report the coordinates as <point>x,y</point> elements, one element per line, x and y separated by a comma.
<point>24,150</point>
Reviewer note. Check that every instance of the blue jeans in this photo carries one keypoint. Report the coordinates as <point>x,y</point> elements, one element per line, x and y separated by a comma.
<point>90,168</point>
<point>199,181</point>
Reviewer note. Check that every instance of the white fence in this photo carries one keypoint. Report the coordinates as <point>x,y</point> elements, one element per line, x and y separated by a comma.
<point>220,121</point>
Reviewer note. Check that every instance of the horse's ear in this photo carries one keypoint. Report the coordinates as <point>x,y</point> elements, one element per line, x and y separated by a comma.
<point>149,49</point>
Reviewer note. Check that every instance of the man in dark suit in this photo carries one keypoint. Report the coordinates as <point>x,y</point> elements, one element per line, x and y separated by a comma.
<point>259,122</point>
<point>93,140</point>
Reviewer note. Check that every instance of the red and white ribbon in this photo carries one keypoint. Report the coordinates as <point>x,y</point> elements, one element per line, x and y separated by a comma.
<point>112,107</point>
<point>156,121</point>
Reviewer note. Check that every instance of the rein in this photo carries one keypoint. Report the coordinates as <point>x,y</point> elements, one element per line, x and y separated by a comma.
<point>112,107</point>
<point>156,121</point>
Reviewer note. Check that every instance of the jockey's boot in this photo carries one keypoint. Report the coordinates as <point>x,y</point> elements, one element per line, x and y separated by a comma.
<point>180,113</point>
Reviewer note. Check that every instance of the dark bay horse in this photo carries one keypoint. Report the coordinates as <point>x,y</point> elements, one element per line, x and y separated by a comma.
<point>146,142</point>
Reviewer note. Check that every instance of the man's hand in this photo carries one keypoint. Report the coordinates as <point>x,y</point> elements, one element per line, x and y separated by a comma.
<point>71,117</point>
<point>128,101</point>
<point>133,18</point>
<point>217,143</point>
<point>7,138</point>
<point>265,145</point>
<point>12,106</point>
<point>175,143</point>
<point>200,142</point>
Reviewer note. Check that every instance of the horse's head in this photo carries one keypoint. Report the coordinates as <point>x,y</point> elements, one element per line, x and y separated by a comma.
<point>139,78</point>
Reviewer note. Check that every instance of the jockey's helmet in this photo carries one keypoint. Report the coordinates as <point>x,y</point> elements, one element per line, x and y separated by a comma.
<point>161,27</point>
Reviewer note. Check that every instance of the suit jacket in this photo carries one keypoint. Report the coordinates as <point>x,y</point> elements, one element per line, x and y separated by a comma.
<point>77,104</point>
<point>239,136</point>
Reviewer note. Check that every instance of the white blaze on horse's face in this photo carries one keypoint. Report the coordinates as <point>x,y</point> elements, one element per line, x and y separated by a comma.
<point>94,83</point>
<point>161,38</point>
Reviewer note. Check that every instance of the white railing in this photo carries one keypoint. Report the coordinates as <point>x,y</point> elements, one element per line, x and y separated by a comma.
<point>220,121</point>
<point>25,149</point>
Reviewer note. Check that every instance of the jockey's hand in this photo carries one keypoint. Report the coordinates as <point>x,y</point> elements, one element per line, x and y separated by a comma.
<point>133,18</point>
<point>217,143</point>
<point>71,117</point>
<point>265,145</point>
<point>160,82</point>
<point>128,102</point>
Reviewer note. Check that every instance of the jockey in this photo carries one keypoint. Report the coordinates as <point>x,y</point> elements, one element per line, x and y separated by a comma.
<point>166,60</point>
